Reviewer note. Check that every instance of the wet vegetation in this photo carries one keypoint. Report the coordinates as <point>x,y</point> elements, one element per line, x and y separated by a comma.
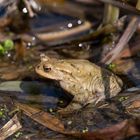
<point>105,32</point>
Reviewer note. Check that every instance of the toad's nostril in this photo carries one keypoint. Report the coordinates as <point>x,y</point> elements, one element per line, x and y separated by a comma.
<point>38,66</point>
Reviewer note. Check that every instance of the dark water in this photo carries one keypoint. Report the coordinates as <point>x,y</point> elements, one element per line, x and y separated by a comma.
<point>49,20</point>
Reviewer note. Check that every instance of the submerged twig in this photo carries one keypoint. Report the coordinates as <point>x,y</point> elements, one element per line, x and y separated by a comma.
<point>89,37</point>
<point>28,6</point>
<point>111,14</point>
<point>128,33</point>
<point>62,34</point>
<point>122,5</point>
<point>10,128</point>
<point>138,4</point>
<point>132,50</point>
<point>66,8</point>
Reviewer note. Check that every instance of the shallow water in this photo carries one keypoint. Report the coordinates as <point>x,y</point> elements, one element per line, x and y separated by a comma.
<point>19,81</point>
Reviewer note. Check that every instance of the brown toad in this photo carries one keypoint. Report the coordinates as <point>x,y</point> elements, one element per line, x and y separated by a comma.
<point>87,82</point>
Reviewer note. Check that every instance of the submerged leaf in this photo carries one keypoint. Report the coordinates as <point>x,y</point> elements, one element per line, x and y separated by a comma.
<point>42,117</point>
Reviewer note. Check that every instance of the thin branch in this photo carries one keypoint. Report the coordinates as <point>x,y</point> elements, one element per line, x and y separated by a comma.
<point>28,6</point>
<point>62,34</point>
<point>10,128</point>
<point>128,33</point>
<point>122,5</point>
<point>111,14</point>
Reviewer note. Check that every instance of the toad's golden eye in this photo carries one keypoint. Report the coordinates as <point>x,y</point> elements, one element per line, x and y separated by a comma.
<point>46,69</point>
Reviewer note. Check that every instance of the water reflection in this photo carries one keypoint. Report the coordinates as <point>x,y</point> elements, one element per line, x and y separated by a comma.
<point>43,94</point>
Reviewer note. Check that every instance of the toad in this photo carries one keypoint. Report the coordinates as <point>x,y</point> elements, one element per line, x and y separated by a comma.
<point>86,81</point>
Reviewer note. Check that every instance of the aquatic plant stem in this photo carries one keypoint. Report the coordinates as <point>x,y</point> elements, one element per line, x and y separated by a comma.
<point>111,14</point>
<point>138,5</point>
<point>128,33</point>
<point>122,5</point>
<point>28,6</point>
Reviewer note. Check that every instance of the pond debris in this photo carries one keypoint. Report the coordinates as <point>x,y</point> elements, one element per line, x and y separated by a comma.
<point>128,33</point>
<point>42,117</point>
<point>111,14</point>
<point>62,34</point>
<point>53,123</point>
<point>62,7</point>
<point>135,104</point>
<point>129,52</point>
<point>127,7</point>
<point>122,130</point>
<point>29,8</point>
<point>129,102</point>
<point>10,128</point>
<point>94,34</point>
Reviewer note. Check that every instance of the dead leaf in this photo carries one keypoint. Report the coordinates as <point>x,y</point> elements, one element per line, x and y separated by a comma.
<point>10,128</point>
<point>42,117</point>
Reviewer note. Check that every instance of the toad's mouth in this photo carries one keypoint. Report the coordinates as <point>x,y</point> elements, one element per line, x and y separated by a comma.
<point>39,69</point>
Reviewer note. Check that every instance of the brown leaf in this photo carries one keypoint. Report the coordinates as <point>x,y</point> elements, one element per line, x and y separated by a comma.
<point>42,117</point>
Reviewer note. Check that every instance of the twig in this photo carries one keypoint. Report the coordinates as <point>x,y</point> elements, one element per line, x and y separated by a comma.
<point>122,5</point>
<point>62,34</point>
<point>138,4</point>
<point>128,33</point>
<point>132,50</point>
<point>28,6</point>
<point>10,128</point>
<point>111,14</point>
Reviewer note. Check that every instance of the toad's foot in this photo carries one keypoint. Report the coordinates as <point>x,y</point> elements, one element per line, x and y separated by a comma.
<point>70,108</point>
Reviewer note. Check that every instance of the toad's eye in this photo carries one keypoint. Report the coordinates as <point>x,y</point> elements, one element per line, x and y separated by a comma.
<point>46,69</point>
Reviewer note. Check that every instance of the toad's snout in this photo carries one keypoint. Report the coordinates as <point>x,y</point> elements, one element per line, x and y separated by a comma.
<point>38,68</point>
